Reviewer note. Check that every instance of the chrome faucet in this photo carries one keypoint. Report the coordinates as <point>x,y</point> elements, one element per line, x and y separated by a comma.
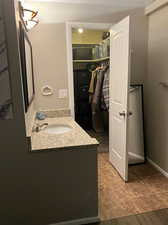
<point>39,127</point>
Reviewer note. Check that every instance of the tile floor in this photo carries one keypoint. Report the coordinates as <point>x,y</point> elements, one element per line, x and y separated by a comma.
<point>147,190</point>
<point>158,217</point>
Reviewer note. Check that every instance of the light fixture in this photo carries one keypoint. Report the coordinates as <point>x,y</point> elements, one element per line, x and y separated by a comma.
<point>29,14</point>
<point>30,24</point>
<point>30,18</point>
<point>80,30</point>
<point>22,1</point>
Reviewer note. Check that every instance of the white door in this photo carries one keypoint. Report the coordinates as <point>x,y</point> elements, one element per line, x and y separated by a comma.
<point>119,87</point>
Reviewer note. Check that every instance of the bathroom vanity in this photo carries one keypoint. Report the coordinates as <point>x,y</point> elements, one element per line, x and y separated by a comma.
<point>61,132</point>
<point>74,162</point>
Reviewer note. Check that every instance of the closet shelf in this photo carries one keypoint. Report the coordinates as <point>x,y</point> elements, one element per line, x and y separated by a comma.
<point>91,60</point>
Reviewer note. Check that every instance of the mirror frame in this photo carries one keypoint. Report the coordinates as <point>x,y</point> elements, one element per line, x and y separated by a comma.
<point>23,37</point>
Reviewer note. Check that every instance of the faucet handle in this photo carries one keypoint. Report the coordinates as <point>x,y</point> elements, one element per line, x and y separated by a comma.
<point>35,127</point>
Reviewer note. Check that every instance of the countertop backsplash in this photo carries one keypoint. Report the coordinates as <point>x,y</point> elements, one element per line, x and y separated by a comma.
<point>56,113</point>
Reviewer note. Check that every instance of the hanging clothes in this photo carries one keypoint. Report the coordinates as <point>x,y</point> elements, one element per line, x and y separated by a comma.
<point>92,85</point>
<point>105,91</point>
<point>99,97</point>
<point>92,82</point>
<point>95,93</point>
<point>98,90</point>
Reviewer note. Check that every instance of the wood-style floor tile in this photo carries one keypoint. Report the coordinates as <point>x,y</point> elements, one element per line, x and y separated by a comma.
<point>159,217</point>
<point>147,190</point>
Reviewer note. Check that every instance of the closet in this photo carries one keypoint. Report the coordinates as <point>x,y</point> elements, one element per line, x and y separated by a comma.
<point>91,71</point>
<point>83,113</point>
<point>88,62</point>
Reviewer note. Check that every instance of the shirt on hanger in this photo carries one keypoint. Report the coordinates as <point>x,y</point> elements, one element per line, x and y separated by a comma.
<point>92,82</point>
<point>105,90</point>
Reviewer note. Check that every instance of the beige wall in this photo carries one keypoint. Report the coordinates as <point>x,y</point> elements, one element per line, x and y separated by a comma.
<point>139,37</point>
<point>29,118</point>
<point>49,46</point>
<point>50,64</point>
<point>30,114</point>
<point>87,37</point>
<point>157,104</point>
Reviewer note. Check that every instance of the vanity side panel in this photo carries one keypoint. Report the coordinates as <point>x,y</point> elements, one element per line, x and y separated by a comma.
<point>68,181</point>
<point>56,187</point>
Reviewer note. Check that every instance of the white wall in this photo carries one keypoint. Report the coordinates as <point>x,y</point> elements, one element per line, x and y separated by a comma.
<point>49,44</point>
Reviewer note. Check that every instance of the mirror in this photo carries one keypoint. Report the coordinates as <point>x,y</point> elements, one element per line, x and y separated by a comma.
<point>6,107</point>
<point>27,67</point>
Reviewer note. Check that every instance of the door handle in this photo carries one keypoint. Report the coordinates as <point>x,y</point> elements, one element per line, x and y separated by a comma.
<point>122,113</point>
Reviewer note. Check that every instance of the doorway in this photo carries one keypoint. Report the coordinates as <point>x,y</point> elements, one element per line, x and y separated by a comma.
<point>114,156</point>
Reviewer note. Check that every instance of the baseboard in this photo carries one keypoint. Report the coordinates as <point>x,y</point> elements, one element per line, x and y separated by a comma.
<point>158,167</point>
<point>136,156</point>
<point>79,221</point>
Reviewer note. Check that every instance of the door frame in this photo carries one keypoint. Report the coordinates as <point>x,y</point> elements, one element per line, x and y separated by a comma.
<point>69,26</point>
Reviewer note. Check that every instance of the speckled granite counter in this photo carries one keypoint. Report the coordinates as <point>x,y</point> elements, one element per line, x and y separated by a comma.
<point>76,137</point>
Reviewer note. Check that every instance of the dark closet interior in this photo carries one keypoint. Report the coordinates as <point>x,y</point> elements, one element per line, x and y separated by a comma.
<point>86,58</point>
<point>83,114</point>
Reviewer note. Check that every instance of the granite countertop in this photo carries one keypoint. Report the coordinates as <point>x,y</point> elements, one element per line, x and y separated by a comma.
<point>73,138</point>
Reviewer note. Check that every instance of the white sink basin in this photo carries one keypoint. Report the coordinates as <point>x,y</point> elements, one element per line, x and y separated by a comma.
<point>57,129</point>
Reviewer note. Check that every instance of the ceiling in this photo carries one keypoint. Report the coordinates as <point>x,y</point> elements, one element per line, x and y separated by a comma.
<point>104,11</point>
<point>127,4</point>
